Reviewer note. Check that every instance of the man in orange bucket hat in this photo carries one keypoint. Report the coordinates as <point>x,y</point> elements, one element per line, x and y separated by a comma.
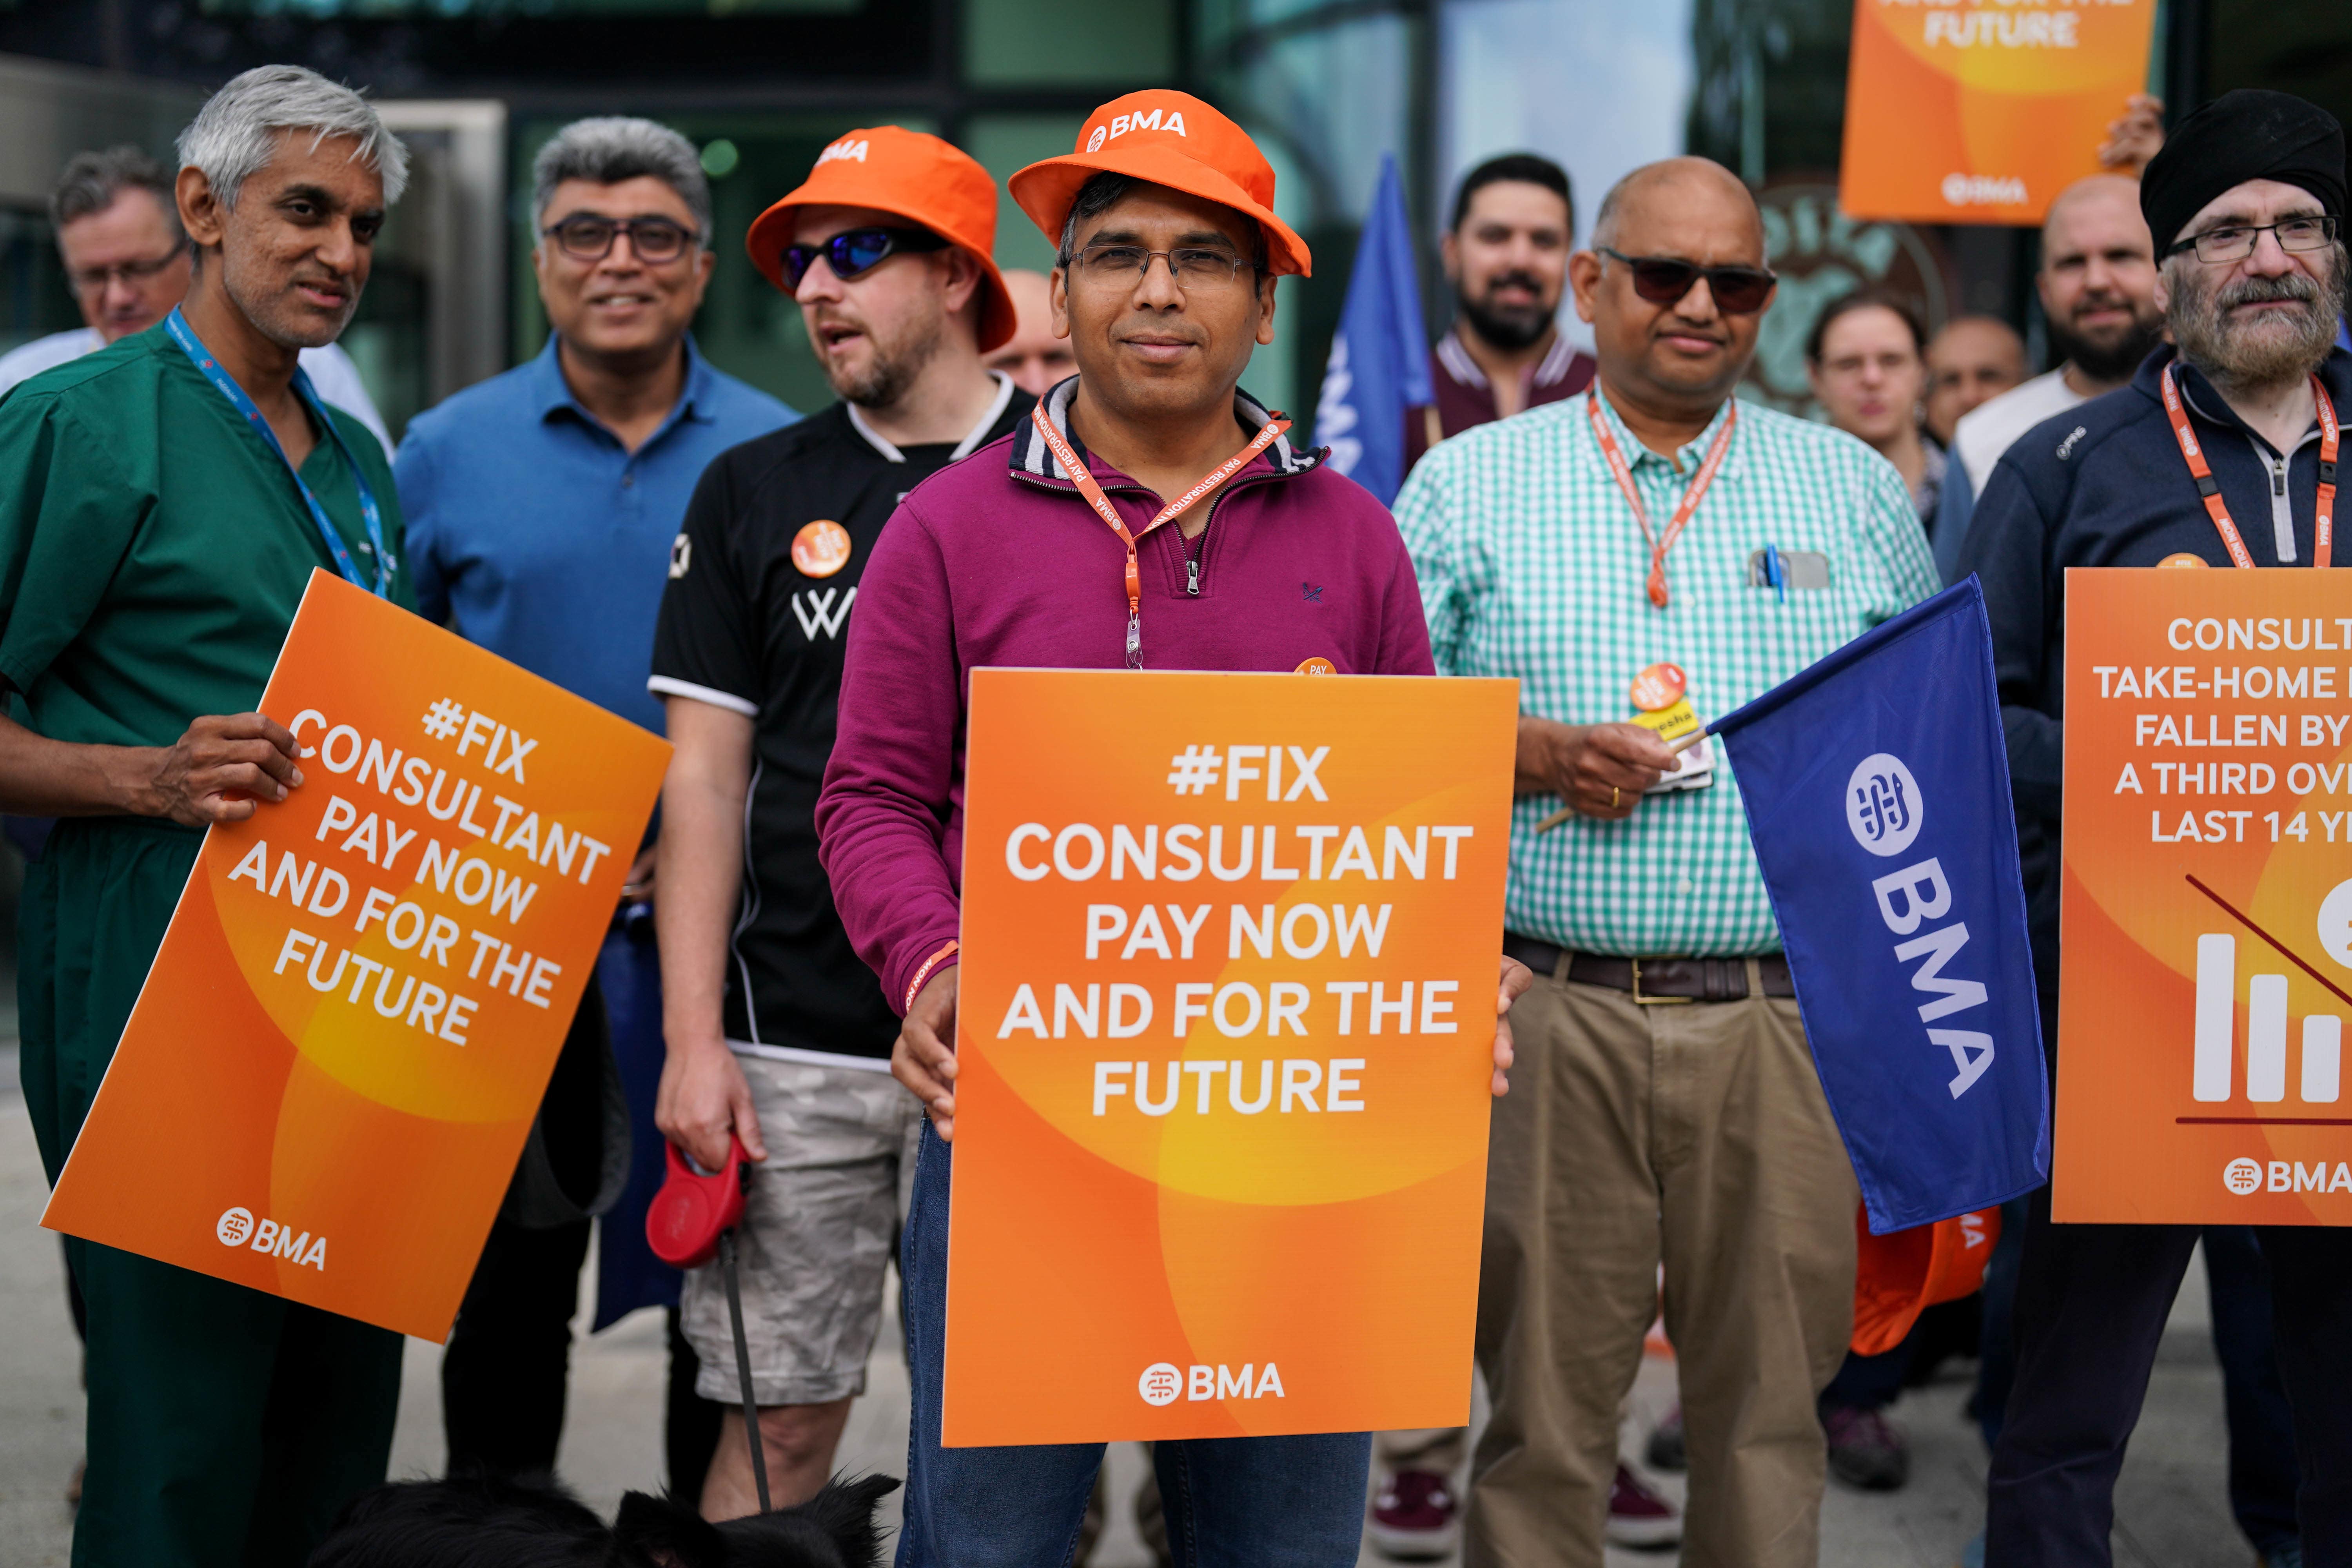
<point>776,1034</point>
<point>1147,515</point>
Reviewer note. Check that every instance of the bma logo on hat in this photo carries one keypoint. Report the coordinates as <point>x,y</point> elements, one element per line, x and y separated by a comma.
<point>1161,1384</point>
<point>236,1226</point>
<point>1882,805</point>
<point>1137,120</point>
<point>842,150</point>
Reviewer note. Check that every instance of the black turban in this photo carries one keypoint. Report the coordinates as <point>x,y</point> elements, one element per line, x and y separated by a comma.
<point>2249,134</point>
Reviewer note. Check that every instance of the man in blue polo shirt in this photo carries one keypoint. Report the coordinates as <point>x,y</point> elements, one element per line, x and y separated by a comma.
<point>542,507</point>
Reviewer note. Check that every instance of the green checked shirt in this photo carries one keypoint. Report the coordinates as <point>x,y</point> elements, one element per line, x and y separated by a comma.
<point>1532,566</point>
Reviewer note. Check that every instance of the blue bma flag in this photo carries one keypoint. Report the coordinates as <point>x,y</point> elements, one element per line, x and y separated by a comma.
<point>1876,790</point>
<point>1380,358</point>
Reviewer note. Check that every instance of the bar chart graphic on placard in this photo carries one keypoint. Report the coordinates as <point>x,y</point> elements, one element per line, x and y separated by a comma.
<point>2214,1072</point>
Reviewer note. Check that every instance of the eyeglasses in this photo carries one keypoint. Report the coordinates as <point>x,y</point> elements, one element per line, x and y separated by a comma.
<point>1664,279</point>
<point>587,238</point>
<point>90,279</point>
<point>854,251</point>
<point>1193,266</point>
<point>2235,242</point>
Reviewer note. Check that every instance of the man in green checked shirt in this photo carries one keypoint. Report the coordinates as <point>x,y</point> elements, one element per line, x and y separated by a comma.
<point>162,504</point>
<point>1666,1109</point>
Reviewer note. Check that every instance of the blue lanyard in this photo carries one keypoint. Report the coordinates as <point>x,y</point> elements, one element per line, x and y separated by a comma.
<point>193,347</point>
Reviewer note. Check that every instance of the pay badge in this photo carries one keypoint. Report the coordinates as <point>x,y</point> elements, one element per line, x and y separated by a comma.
<point>1661,705</point>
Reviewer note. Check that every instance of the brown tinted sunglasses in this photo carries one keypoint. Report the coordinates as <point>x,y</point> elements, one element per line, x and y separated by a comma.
<point>1664,279</point>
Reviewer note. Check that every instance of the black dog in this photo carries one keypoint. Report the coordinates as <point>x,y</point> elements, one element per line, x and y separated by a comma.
<point>487,1522</point>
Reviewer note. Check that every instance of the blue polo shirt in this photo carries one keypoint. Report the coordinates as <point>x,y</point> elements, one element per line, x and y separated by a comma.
<point>535,534</point>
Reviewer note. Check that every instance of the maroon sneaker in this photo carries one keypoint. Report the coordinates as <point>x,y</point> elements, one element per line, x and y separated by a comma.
<point>1865,1450</point>
<point>1639,1516</point>
<point>1416,1518</point>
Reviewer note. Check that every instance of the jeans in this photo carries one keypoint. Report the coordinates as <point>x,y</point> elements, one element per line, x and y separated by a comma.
<point>1869,1382</point>
<point>1231,1502</point>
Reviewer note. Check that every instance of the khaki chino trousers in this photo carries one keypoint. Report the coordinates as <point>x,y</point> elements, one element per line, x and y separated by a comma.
<point>1692,1135</point>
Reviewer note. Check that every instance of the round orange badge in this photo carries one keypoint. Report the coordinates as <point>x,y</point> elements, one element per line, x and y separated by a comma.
<point>2181,559</point>
<point>1660,686</point>
<point>821,549</point>
<point>1314,667</point>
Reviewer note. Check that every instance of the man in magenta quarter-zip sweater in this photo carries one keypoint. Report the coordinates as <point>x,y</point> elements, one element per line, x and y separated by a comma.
<point>1247,555</point>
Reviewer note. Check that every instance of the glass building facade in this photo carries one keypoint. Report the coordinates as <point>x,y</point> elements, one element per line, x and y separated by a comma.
<point>1327,86</point>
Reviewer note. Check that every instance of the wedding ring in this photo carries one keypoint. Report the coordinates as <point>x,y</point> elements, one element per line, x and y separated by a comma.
<point>1614,797</point>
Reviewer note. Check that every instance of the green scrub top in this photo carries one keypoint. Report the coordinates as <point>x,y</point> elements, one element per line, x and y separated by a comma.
<point>152,551</point>
<point>152,546</point>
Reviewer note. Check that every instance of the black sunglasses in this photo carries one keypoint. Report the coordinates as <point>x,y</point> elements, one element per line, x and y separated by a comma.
<point>1664,279</point>
<point>854,251</point>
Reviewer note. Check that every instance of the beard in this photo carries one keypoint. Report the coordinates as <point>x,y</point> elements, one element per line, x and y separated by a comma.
<point>1509,327</point>
<point>891,367</point>
<point>2282,346</point>
<point>2111,354</point>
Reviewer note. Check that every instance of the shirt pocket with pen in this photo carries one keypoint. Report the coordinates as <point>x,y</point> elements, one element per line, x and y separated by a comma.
<point>1781,573</point>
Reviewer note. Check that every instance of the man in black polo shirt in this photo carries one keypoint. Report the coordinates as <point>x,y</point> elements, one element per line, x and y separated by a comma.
<point>2245,204</point>
<point>777,1034</point>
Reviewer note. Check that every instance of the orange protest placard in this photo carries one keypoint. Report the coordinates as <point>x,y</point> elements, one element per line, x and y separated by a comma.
<point>329,1072</point>
<point>2206,915</point>
<point>1982,110</point>
<point>1225,1022</point>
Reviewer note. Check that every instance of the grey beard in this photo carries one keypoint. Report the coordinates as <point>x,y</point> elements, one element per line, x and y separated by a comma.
<point>2235,359</point>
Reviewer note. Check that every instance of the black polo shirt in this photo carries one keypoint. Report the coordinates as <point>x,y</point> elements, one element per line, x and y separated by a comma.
<point>750,626</point>
<point>2104,484</point>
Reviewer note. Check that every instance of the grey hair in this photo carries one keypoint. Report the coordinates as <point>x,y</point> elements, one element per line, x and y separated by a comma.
<point>1105,191</point>
<point>235,134</point>
<point>611,148</point>
<point>91,181</point>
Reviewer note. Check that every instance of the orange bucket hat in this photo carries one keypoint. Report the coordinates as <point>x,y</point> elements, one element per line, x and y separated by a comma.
<point>908,174</point>
<point>1168,139</point>
<point>1902,1274</point>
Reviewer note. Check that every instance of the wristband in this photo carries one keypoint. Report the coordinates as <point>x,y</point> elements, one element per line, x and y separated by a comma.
<point>915,985</point>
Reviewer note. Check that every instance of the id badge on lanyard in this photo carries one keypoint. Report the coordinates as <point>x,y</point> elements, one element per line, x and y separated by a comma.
<point>2323,522</point>
<point>193,346</point>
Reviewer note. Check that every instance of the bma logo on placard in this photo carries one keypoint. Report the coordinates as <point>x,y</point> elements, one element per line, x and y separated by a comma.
<point>238,1228</point>
<point>1161,1383</point>
<point>1882,805</point>
<point>1164,1382</point>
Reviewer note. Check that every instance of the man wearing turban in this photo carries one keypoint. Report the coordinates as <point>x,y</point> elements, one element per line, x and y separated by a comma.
<point>2245,204</point>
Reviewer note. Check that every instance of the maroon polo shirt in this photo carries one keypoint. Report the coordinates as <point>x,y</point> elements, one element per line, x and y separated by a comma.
<point>1465,396</point>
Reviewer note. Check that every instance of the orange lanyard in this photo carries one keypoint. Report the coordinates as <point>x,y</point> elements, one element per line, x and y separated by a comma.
<point>2323,522</point>
<point>1092,489</point>
<point>1623,474</point>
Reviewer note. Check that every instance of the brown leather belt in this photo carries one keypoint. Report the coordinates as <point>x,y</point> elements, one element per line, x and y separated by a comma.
<point>1655,981</point>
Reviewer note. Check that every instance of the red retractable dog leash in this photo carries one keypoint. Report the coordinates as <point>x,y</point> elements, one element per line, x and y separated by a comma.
<point>692,1219</point>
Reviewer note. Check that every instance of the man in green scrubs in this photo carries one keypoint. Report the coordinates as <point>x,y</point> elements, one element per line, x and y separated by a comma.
<point>162,503</point>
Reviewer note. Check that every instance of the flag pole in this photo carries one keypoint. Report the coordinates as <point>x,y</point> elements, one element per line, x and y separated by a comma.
<point>1675,750</point>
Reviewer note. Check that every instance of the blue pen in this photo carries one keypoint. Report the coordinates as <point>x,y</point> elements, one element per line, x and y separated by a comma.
<point>1774,575</point>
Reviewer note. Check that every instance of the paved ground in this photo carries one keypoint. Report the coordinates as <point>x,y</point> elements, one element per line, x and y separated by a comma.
<point>2172,1508</point>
